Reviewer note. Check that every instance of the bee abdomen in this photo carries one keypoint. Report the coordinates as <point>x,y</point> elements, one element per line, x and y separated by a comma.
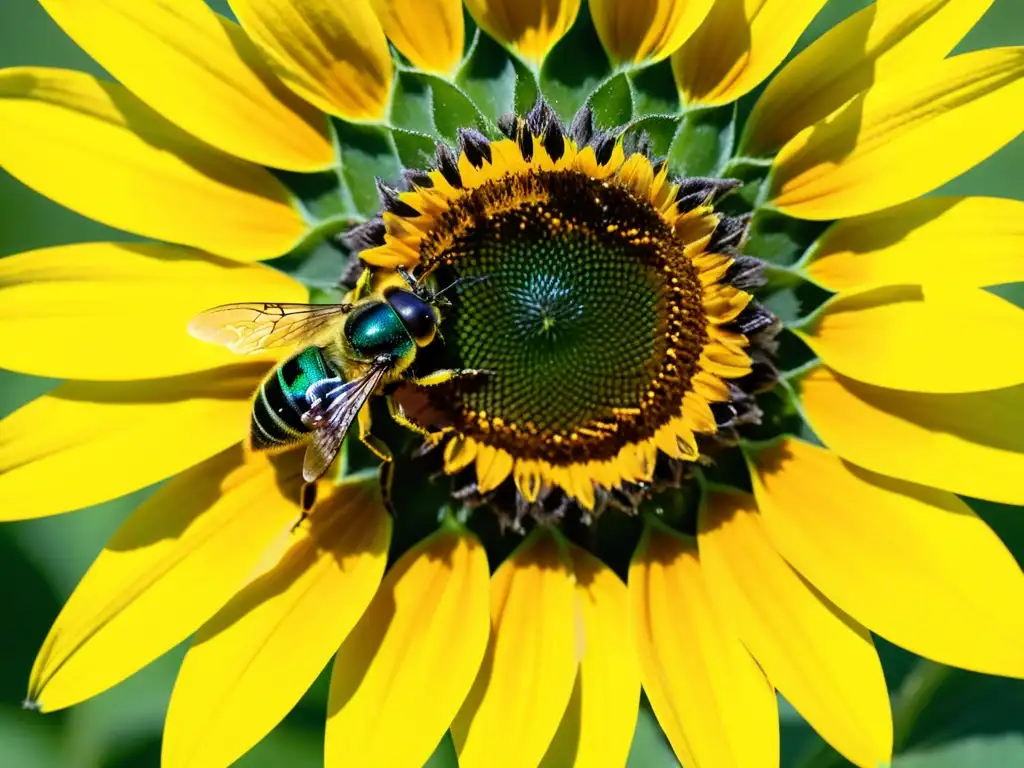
<point>270,427</point>
<point>281,400</point>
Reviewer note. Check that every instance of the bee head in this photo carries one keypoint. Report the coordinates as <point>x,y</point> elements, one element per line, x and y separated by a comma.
<point>418,314</point>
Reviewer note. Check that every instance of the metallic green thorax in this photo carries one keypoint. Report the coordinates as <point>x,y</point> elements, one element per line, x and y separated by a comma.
<point>281,399</point>
<point>376,329</point>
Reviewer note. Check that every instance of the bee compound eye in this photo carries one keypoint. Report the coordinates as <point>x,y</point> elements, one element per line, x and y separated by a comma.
<point>417,315</point>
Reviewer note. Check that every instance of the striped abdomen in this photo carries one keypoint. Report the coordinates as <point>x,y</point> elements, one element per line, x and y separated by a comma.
<point>281,400</point>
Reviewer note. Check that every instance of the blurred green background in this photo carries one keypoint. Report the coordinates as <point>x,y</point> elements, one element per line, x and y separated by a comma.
<point>966,719</point>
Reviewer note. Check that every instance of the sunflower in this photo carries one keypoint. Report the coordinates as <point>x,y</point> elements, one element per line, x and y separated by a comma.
<point>726,370</point>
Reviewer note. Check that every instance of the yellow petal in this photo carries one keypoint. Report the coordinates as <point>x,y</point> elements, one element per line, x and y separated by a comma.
<point>947,241</point>
<point>526,679</point>
<point>332,53</point>
<point>251,663</point>
<point>903,137</point>
<point>459,453</point>
<point>597,728</point>
<point>971,444</point>
<point>873,45</point>
<point>906,337</point>
<point>203,74</point>
<point>648,30</point>
<point>388,705</point>
<point>429,33</point>
<point>493,465</point>
<point>913,564</point>
<point>95,148</point>
<point>118,312</point>
<point>711,699</point>
<point>106,440</point>
<point>170,567</point>
<point>739,44</point>
<point>531,27</point>
<point>820,659</point>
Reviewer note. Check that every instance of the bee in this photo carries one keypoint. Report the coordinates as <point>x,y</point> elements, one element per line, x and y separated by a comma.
<point>349,352</point>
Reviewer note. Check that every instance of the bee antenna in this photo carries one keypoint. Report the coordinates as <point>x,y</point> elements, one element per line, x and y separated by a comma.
<point>460,281</point>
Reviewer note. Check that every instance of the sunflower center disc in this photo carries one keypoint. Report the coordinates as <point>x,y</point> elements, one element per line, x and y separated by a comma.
<point>585,306</point>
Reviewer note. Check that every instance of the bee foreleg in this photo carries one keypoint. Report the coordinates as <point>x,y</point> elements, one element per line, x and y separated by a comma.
<point>447,374</point>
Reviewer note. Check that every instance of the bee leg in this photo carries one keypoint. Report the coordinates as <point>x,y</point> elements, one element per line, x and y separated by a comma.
<point>307,500</point>
<point>385,474</point>
<point>447,374</point>
<point>377,446</point>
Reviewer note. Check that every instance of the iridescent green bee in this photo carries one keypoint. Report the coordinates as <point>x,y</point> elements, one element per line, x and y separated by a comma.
<point>349,352</point>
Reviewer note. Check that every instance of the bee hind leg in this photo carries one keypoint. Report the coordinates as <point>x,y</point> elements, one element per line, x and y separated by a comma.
<point>307,500</point>
<point>377,446</point>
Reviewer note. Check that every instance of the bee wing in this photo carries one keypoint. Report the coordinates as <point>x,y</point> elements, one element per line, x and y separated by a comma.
<point>247,328</point>
<point>330,415</point>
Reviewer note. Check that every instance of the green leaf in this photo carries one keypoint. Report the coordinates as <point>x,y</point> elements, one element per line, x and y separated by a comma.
<point>367,152</point>
<point>444,756</point>
<point>412,104</point>
<point>660,130</point>
<point>650,748</point>
<point>779,239</point>
<point>654,90</point>
<point>324,195</point>
<point>432,106</point>
<point>527,90</point>
<point>415,150</point>
<point>612,103</point>
<point>704,141</point>
<point>574,68</point>
<point>494,80</point>
<point>453,109</point>
<point>1000,751</point>
<point>318,267</point>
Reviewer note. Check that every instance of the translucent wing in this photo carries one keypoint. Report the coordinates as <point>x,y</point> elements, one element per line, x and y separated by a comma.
<point>333,407</point>
<point>247,328</point>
